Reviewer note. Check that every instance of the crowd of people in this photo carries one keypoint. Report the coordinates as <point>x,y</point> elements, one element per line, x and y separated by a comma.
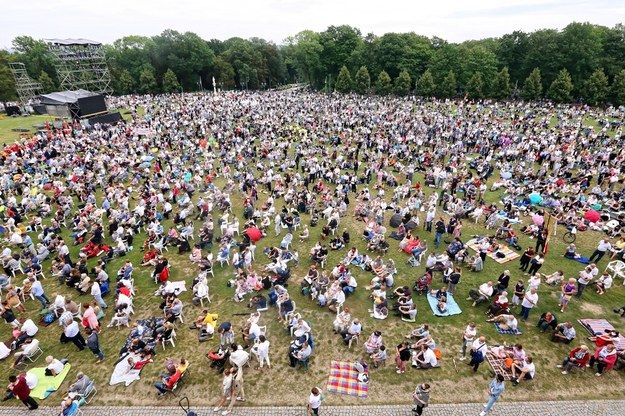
<point>300,160</point>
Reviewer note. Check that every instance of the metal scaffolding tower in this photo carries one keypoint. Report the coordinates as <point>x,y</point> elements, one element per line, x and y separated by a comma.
<point>81,64</point>
<point>27,88</point>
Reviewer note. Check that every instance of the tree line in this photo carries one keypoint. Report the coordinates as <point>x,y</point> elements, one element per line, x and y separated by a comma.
<point>582,62</point>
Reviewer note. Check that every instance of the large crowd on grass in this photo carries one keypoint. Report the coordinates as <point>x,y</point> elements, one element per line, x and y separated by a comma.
<point>302,162</point>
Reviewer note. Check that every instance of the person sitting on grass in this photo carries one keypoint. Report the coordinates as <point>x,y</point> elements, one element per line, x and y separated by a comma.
<point>419,332</point>
<point>483,293</point>
<point>425,358</point>
<point>499,305</point>
<point>379,357</point>
<point>507,322</point>
<point>578,357</point>
<point>564,333</point>
<point>525,370</point>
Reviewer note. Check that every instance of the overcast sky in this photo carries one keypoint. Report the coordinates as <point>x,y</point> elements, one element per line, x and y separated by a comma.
<point>453,20</point>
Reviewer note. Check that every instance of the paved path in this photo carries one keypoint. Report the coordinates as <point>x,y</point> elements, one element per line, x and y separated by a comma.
<point>575,408</point>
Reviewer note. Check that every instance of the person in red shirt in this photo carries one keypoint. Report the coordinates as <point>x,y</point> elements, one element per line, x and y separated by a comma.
<point>22,391</point>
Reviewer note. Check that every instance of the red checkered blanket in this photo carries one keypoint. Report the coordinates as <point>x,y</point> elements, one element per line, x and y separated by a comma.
<point>343,379</point>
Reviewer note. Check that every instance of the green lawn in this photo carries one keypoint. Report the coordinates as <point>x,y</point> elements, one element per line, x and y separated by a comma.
<point>451,383</point>
<point>8,136</point>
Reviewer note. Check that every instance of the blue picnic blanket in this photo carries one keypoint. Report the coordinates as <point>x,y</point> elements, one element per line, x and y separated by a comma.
<point>583,260</point>
<point>507,331</point>
<point>452,306</point>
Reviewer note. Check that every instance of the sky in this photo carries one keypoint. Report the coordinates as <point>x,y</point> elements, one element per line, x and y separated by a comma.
<point>274,20</point>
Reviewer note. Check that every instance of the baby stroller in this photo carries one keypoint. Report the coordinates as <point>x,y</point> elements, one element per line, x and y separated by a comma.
<point>422,283</point>
<point>218,358</point>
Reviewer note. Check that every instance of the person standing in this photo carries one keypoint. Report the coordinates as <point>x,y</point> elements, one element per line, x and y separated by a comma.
<point>314,401</point>
<point>72,333</point>
<point>529,301</point>
<point>439,231</point>
<point>603,246</point>
<point>495,388</point>
<point>93,343</point>
<point>96,292</point>
<point>237,393</point>
<point>37,290</point>
<point>467,339</point>
<point>22,391</point>
<point>585,277</point>
<point>536,264</point>
<point>478,353</point>
<point>421,398</point>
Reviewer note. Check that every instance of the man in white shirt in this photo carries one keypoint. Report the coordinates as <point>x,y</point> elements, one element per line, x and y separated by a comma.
<point>238,356</point>
<point>55,367</point>
<point>201,291</point>
<point>97,294</point>
<point>585,277</point>
<point>28,330</point>
<point>525,372</point>
<point>484,292</point>
<point>72,333</point>
<point>426,358</point>
<point>529,301</point>
<point>603,246</point>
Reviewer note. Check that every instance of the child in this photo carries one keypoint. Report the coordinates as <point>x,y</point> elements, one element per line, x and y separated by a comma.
<point>314,401</point>
<point>226,388</point>
<point>519,293</point>
<point>379,357</point>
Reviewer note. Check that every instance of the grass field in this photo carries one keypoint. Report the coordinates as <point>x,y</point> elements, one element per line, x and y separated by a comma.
<point>451,383</point>
<point>8,136</point>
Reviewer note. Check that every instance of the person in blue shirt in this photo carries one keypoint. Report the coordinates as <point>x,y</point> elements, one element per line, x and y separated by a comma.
<point>495,388</point>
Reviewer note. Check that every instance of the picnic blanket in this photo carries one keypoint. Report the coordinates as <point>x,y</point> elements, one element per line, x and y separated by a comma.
<point>497,364</point>
<point>509,253</point>
<point>147,327</point>
<point>507,331</point>
<point>47,384</point>
<point>343,379</point>
<point>583,260</point>
<point>452,306</point>
<point>123,373</point>
<point>598,327</point>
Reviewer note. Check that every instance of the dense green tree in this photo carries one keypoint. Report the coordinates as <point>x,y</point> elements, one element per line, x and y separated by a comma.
<point>125,83</point>
<point>188,55</point>
<point>501,86</point>
<point>47,83</point>
<point>533,87</point>
<point>383,84</point>
<point>362,81</point>
<point>561,88</point>
<point>545,52</point>
<point>426,86</point>
<point>303,53</point>
<point>147,79</point>
<point>7,84</point>
<point>511,52</point>
<point>477,59</point>
<point>580,45</point>
<point>338,45</point>
<point>403,84</point>
<point>35,55</point>
<point>596,88</point>
<point>224,74</point>
<point>449,85</point>
<point>396,52</point>
<point>618,88</point>
<point>343,81</point>
<point>170,82</point>
<point>475,86</point>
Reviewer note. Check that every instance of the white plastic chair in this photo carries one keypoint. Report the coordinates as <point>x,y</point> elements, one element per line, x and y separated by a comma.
<point>616,269</point>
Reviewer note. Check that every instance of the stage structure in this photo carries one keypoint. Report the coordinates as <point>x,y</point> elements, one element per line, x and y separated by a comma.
<point>81,65</point>
<point>27,88</point>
